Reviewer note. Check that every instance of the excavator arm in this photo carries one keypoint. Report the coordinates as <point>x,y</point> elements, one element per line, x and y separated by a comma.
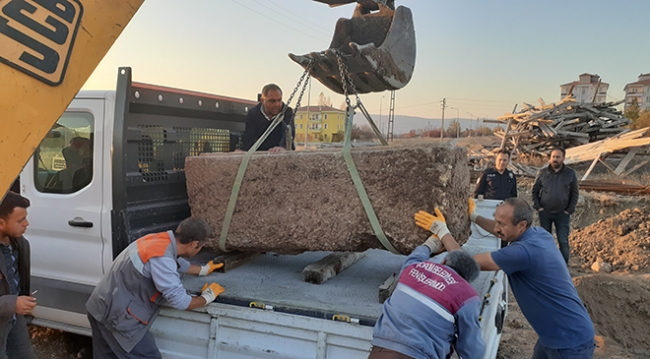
<point>49,48</point>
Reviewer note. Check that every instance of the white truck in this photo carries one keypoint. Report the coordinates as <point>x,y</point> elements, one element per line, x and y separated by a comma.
<point>111,170</point>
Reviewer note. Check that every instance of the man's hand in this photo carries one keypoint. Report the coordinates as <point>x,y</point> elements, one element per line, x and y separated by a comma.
<point>540,210</point>
<point>209,292</point>
<point>25,304</point>
<point>209,268</point>
<point>277,149</point>
<point>471,210</point>
<point>436,224</point>
<point>435,245</point>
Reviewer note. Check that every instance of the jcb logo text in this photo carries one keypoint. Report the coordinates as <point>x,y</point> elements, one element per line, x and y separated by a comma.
<point>36,36</point>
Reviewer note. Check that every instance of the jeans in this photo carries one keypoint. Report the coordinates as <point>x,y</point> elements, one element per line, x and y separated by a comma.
<point>106,347</point>
<point>15,342</point>
<point>583,351</point>
<point>383,353</point>
<point>562,222</point>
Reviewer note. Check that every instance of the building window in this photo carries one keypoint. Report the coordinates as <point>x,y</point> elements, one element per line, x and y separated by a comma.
<point>326,124</point>
<point>301,126</point>
<point>326,116</point>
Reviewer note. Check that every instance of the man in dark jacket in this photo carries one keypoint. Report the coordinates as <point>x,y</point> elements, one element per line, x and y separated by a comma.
<point>555,195</point>
<point>498,182</point>
<point>15,298</point>
<point>260,118</point>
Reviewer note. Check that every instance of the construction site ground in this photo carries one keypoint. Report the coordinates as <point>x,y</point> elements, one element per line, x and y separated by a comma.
<point>606,227</point>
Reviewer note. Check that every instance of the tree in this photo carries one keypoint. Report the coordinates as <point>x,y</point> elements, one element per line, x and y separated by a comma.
<point>633,111</point>
<point>642,121</point>
<point>324,101</point>
<point>453,130</point>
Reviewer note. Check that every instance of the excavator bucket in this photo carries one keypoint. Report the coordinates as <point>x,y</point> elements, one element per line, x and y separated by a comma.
<point>378,49</point>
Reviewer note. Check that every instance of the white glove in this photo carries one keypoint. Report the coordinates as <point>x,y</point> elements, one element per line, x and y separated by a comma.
<point>434,244</point>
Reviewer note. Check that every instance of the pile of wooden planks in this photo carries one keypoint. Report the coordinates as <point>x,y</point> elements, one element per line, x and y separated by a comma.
<point>537,129</point>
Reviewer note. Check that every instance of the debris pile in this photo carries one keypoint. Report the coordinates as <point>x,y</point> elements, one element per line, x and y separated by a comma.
<point>537,129</point>
<point>622,241</point>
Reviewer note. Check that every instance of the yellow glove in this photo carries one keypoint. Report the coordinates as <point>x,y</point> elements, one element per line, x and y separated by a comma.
<point>209,292</point>
<point>436,224</point>
<point>471,210</point>
<point>209,268</point>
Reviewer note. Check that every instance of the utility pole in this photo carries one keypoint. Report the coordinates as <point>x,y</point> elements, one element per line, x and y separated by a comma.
<point>443,104</point>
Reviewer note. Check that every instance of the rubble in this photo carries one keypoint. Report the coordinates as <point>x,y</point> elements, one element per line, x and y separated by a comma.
<point>622,240</point>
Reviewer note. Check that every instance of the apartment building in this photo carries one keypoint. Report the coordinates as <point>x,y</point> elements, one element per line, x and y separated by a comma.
<point>319,124</point>
<point>640,91</point>
<point>584,90</point>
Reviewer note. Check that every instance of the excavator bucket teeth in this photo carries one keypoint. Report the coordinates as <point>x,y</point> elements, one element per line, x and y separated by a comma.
<point>377,48</point>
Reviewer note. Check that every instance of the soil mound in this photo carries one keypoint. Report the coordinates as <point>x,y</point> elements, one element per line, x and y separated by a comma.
<point>622,240</point>
<point>619,306</point>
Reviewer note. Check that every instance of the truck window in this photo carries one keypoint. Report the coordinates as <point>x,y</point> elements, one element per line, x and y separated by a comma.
<point>63,162</point>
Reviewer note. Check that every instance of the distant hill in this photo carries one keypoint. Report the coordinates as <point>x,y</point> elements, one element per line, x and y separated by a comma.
<point>404,124</point>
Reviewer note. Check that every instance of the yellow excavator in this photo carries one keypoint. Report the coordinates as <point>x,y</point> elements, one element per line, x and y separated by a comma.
<point>49,48</point>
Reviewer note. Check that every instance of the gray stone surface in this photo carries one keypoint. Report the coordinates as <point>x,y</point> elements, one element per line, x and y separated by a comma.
<point>294,202</point>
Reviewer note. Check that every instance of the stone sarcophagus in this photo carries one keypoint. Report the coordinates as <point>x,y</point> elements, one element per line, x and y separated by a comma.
<point>293,202</point>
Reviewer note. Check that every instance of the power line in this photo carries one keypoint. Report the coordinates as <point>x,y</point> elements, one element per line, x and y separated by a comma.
<point>275,20</point>
<point>297,16</point>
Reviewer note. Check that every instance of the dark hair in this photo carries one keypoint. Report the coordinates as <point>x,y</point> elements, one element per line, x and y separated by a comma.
<point>11,201</point>
<point>522,211</point>
<point>463,264</point>
<point>558,149</point>
<point>193,229</point>
<point>505,152</point>
<point>270,87</point>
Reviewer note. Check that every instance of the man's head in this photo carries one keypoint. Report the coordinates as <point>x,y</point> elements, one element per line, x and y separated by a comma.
<point>271,99</point>
<point>192,234</point>
<point>513,217</point>
<point>13,215</point>
<point>463,264</point>
<point>502,161</point>
<point>556,158</point>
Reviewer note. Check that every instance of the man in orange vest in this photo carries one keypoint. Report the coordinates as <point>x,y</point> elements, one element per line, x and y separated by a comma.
<point>146,274</point>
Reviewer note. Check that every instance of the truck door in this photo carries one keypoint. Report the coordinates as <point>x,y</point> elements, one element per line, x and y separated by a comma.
<point>63,180</point>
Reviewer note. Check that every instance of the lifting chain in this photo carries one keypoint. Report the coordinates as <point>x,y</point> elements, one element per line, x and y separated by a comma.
<point>307,73</point>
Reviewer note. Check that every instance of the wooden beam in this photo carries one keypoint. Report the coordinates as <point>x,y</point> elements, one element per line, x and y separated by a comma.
<point>386,289</point>
<point>628,157</point>
<point>635,168</point>
<point>593,164</point>
<point>333,264</point>
<point>234,259</point>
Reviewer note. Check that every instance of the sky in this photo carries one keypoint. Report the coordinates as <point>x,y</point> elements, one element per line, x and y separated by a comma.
<point>483,56</point>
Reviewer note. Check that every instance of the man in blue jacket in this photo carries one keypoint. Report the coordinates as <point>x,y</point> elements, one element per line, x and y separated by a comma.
<point>540,281</point>
<point>433,310</point>
<point>555,195</point>
<point>260,118</point>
